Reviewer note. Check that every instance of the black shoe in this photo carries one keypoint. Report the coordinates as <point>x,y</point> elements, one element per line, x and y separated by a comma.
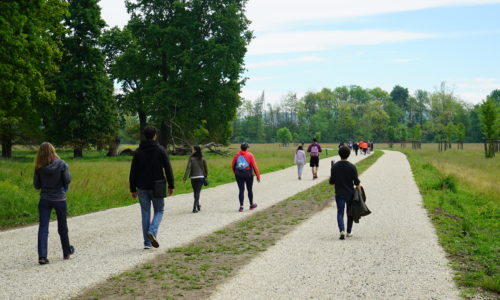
<point>194,210</point>
<point>199,207</point>
<point>342,236</point>
<point>43,261</point>
<point>71,251</point>
<point>153,240</point>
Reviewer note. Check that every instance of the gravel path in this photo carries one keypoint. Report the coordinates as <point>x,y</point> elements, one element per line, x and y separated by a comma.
<point>110,242</point>
<point>394,253</point>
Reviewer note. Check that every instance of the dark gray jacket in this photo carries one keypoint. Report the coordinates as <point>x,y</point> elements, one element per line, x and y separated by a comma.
<point>53,180</point>
<point>196,167</point>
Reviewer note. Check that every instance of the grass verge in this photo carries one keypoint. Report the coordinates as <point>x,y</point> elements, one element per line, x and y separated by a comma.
<point>467,223</point>
<point>194,271</point>
<point>101,182</point>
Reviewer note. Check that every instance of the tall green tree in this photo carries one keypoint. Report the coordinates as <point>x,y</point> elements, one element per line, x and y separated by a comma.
<point>126,63</point>
<point>29,52</point>
<point>400,97</point>
<point>194,51</point>
<point>489,123</point>
<point>85,112</point>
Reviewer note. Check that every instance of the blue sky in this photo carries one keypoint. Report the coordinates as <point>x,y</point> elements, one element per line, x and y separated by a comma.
<point>305,46</point>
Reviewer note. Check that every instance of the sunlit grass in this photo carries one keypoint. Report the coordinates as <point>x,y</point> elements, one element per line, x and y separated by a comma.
<point>101,182</point>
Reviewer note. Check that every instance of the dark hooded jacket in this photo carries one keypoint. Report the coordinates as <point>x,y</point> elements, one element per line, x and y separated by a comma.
<point>52,180</point>
<point>150,163</point>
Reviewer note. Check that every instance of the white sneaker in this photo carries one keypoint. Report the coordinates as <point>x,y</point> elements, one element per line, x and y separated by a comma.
<point>349,234</point>
<point>147,247</point>
<point>342,235</point>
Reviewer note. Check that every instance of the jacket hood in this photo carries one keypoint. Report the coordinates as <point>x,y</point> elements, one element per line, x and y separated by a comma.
<point>55,166</point>
<point>149,146</point>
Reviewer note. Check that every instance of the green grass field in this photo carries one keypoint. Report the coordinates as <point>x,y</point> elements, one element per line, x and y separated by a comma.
<point>100,182</point>
<point>461,192</point>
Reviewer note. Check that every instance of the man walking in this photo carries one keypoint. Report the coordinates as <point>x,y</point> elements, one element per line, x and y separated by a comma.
<point>150,165</point>
<point>344,176</point>
<point>314,149</point>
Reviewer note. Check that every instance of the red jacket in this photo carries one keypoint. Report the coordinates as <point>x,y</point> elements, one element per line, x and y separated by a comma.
<point>251,162</point>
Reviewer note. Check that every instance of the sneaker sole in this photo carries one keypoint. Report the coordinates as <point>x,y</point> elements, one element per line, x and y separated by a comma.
<point>153,240</point>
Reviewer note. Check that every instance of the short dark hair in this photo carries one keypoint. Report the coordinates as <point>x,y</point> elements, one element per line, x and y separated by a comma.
<point>315,140</point>
<point>244,146</point>
<point>149,132</point>
<point>344,152</point>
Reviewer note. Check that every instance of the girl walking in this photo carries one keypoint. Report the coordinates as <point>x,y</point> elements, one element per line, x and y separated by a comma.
<point>300,160</point>
<point>244,166</point>
<point>52,179</point>
<point>197,170</point>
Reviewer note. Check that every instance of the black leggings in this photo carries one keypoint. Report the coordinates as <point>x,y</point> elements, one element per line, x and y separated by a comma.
<point>196,183</point>
<point>242,180</point>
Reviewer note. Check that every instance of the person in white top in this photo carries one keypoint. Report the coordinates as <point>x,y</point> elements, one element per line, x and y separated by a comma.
<point>300,160</point>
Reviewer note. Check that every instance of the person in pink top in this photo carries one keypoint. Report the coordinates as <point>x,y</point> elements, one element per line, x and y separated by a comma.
<point>244,166</point>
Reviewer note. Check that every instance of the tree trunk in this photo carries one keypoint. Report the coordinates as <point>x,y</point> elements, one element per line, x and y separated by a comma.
<point>7,141</point>
<point>142,123</point>
<point>163,134</point>
<point>113,147</point>
<point>77,152</point>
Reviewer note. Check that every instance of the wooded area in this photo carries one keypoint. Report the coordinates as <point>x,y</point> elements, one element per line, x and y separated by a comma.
<point>68,79</point>
<point>351,113</point>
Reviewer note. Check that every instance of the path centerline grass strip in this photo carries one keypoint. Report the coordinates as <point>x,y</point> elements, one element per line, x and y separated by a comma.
<point>195,270</point>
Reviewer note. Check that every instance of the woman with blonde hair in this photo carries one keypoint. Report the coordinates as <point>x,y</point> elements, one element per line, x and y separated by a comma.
<point>52,179</point>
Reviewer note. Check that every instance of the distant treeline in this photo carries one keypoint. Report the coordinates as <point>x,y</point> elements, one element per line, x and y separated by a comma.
<point>354,113</point>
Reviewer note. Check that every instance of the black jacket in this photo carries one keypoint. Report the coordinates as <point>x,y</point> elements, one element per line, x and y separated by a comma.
<point>52,180</point>
<point>150,163</point>
<point>345,176</point>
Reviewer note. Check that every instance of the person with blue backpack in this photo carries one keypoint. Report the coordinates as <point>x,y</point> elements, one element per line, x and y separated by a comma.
<point>314,149</point>
<point>244,166</point>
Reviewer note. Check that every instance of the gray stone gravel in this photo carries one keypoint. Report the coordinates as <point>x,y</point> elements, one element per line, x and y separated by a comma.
<point>110,242</point>
<point>394,253</point>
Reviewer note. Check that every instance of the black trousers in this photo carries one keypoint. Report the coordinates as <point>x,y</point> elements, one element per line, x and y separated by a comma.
<point>242,181</point>
<point>196,183</point>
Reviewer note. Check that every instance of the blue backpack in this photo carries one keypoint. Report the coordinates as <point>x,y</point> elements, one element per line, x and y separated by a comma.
<point>242,163</point>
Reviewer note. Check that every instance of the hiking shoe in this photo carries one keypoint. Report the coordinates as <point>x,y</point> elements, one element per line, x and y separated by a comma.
<point>241,209</point>
<point>148,247</point>
<point>199,207</point>
<point>153,240</point>
<point>71,251</point>
<point>43,261</point>
<point>349,234</point>
<point>195,210</point>
<point>342,235</point>
<point>253,206</point>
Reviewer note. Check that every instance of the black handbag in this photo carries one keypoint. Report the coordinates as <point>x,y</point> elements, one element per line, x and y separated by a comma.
<point>160,189</point>
<point>205,181</point>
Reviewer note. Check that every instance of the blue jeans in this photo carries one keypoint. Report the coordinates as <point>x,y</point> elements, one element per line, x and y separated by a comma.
<point>44,210</point>
<point>341,204</point>
<point>145,199</point>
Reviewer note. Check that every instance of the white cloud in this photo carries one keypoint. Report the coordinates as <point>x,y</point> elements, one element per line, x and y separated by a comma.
<point>319,40</point>
<point>285,62</point>
<point>272,15</point>
<point>474,90</point>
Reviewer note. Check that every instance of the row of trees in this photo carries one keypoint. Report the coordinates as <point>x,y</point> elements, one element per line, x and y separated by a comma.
<point>178,64</point>
<point>353,113</point>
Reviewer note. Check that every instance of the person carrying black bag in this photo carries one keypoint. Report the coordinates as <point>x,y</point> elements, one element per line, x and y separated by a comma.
<point>197,170</point>
<point>344,176</point>
<point>149,168</point>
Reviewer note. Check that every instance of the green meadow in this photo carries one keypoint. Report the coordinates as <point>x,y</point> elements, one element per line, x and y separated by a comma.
<point>461,193</point>
<point>101,182</point>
